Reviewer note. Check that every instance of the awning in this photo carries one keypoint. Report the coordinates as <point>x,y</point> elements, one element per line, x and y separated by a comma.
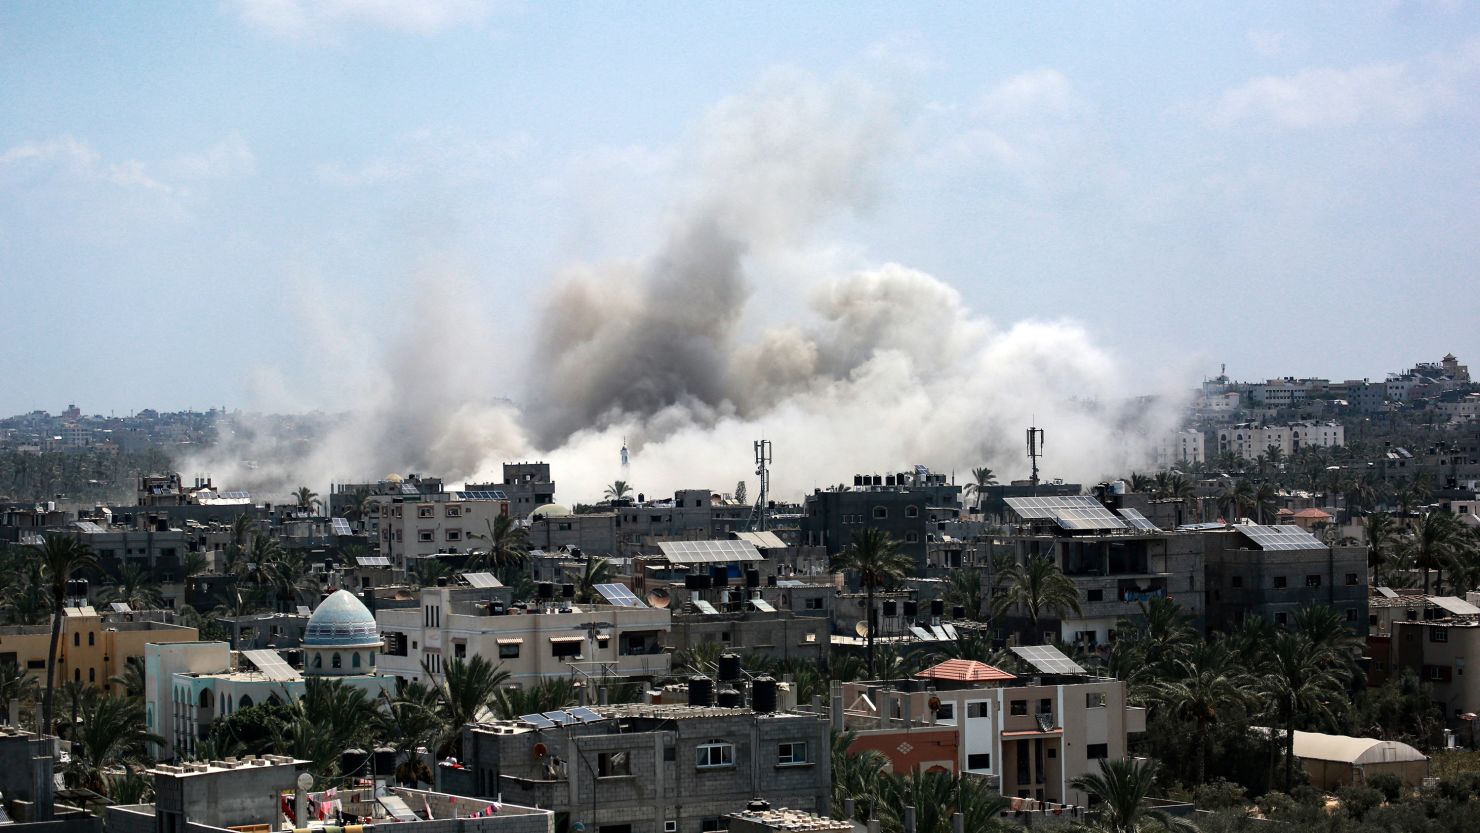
<point>511,640</point>
<point>1033,733</point>
<point>566,639</point>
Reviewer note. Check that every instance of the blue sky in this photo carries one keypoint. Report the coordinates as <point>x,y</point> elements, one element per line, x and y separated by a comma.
<point>237,203</point>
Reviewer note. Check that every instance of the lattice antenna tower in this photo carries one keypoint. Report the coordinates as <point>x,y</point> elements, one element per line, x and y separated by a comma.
<point>1035,450</point>
<point>758,519</point>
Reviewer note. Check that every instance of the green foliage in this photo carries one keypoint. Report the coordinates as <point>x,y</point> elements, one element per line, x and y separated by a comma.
<point>255,730</point>
<point>1359,800</point>
<point>1038,587</point>
<point>1390,785</point>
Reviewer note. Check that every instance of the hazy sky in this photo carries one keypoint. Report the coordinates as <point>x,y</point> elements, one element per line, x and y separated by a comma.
<point>231,203</point>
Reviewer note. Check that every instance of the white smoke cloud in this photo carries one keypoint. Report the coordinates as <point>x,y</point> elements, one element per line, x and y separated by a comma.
<point>672,351</point>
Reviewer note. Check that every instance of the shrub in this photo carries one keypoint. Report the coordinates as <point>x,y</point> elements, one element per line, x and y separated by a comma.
<point>1219,794</point>
<point>1358,800</point>
<point>1390,785</point>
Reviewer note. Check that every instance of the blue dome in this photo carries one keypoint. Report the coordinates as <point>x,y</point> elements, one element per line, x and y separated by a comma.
<point>341,621</point>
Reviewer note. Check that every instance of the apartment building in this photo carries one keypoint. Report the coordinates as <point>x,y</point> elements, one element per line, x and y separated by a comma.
<point>423,525</point>
<point>527,485</point>
<point>903,505</point>
<point>1029,736</point>
<point>552,638</point>
<point>668,768</point>
<point>1177,447</point>
<point>1436,651</point>
<point>1250,440</point>
<point>1272,571</point>
<point>94,646</point>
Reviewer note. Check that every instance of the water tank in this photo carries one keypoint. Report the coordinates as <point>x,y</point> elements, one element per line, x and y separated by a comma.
<point>958,612</point>
<point>752,578</point>
<point>937,607</point>
<point>763,694</point>
<point>891,607</point>
<point>701,691</point>
<point>546,590</point>
<point>911,609</point>
<point>385,760</point>
<point>729,698</point>
<point>691,581</point>
<point>729,667</point>
<point>352,762</point>
<point>1118,487</point>
<point>441,581</point>
<point>878,481</point>
<point>719,576</point>
<point>889,480</point>
<point>857,480</point>
<point>770,581</point>
<point>758,805</point>
<point>568,591</point>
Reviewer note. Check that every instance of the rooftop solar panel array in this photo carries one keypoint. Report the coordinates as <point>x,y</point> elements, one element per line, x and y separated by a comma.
<point>340,526</point>
<point>481,496</point>
<point>1137,520</point>
<point>1068,511</point>
<point>235,495</point>
<point>410,489</point>
<point>762,605</point>
<point>708,552</point>
<point>705,607</point>
<point>1281,537</point>
<point>372,561</point>
<point>88,526</point>
<point>619,595</point>
<point>481,580</point>
<point>271,664</point>
<point>1047,659</point>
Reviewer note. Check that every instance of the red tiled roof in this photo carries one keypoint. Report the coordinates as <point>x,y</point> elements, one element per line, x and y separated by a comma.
<point>1312,513</point>
<point>965,671</point>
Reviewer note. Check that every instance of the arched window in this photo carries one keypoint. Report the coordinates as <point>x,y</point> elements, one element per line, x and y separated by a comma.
<point>912,511</point>
<point>354,659</point>
<point>77,674</point>
<point>337,661</point>
<point>245,702</point>
<point>76,640</point>
<point>372,659</point>
<point>318,660</point>
<point>881,512</point>
<point>90,636</point>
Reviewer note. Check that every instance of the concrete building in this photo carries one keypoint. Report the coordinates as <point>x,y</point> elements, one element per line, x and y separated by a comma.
<point>1177,447</point>
<point>28,787</point>
<point>94,646</point>
<point>423,525</point>
<point>192,685</point>
<point>551,639</point>
<point>900,504</point>
<point>1272,571</point>
<point>1250,440</point>
<point>1436,650</point>
<point>526,485</point>
<point>1028,736</point>
<point>652,768</point>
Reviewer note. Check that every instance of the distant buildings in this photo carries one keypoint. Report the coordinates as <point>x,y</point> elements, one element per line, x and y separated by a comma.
<point>94,647</point>
<point>1178,447</point>
<point>905,505</point>
<point>1250,440</point>
<point>1273,571</point>
<point>413,526</point>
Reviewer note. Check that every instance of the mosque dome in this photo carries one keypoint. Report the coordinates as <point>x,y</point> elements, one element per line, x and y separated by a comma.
<point>550,510</point>
<point>341,621</point>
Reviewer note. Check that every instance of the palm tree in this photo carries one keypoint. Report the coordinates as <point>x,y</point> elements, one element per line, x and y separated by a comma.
<point>1436,538</point>
<point>307,498</point>
<point>1201,685</point>
<point>131,679</point>
<point>964,589</point>
<point>16,685</point>
<point>875,558</point>
<point>1122,787</point>
<point>1237,498</point>
<point>426,571</point>
<point>1266,502</point>
<point>982,481</point>
<point>856,776</point>
<point>411,721</point>
<point>1381,531</point>
<point>618,490</point>
<point>543,696</point>
<point>595,571</point>
<point>109,733</point>
<point>1038,587</point>
<point>467,688</point>
<point>62,557</point>
<point>135,587</point>
<point>508,544</point>
<point>1301,681</point>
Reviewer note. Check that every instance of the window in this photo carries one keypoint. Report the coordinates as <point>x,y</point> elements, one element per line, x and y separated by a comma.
<point>454,534</point>
<point>981,760</point>
<point>1237,581</point>
<point>814,603</point>
<point>1094,595</point>
<point>337,661</point>
<point>1351,614</point>
<point>1045,706</point>
<point>318,660</point>
<point>426,511</point>
<point>912,511</point>
<point>1281,618</point>
<point>1351,579</point>
<point>1097,751</point>
<point>354,659</point>
<point>1279,582</point>
<point>1312,581</point>
<point>460,650</point>
<point>90,636</point>
<point>454,511</point>
<point>880,513</point>
<point>792,753</point>
<point>912,538</point>
<point>425,536</point>
<point>566,648</point>
<point>76,640</point>
<point>1018,707</point>
<point>978,709</point>
<point>947,711</point>
<point>1094,700</point>
<point>1438,634</point>
<point>714,824</point>
<point>714,754</point>
<point>613,765</point>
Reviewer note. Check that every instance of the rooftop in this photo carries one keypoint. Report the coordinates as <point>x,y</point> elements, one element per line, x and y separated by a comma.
<point>785,819</point>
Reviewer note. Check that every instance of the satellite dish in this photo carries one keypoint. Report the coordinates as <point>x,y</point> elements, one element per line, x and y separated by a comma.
<point>659,597</point>
<point>305,781</point>
<point>861,629</point>
<point>540,750</point>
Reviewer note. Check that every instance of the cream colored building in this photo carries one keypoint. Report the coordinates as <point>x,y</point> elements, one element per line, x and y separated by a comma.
<point>417,526</point>
<point>94,646</point>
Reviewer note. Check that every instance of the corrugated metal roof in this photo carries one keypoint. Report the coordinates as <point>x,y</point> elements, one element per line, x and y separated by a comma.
<point>1345,749</point>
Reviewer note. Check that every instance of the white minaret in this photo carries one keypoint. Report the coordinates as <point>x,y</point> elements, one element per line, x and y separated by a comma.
<point>624,458</point>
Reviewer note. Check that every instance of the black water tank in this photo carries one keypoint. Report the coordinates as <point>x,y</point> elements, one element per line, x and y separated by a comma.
<point>752,578</point>
<point>891,607</point>
<point>763,694</point>
<point>758,805</point>
<point>770,581</point>
<point>441,581</point>
<point>385,760</point>
<point>911,609</point>
<point>937,607</point>
<point>729,667</point>
<point>719,576</point>
<point>729,698</point>
<point>352,762</point>
<point>701,691</point>
<point>546,590</point>
<point>568,591</point>
<point>857,480</point>
<point>691,581</point>
<point>958,612</point>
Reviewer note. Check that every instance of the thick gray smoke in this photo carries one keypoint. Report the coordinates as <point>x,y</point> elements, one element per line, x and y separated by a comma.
<point>870,367</point>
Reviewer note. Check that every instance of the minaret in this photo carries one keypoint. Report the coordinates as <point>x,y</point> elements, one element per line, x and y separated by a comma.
<point>624,458</point>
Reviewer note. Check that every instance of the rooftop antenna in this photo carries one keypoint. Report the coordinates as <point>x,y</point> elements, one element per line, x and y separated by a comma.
<point>1035,450</point>
<point>758,518</point>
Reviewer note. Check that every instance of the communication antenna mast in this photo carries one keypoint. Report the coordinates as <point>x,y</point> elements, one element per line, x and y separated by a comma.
<point>758,520</point>
<point>1035,450</point>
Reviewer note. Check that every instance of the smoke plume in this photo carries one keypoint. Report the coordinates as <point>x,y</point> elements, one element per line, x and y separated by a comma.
<point>679,352</point>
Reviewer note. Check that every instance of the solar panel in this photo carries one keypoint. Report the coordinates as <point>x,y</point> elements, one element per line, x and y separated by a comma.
<point>619,594</point>
<point>490,495</point>
<point>303,610</point>
<point>410,489</point>
<point>372,561</point>
<point>1048,659</point>
<point>235,495</point>
<point>483,580</point>
<point>584,714</point>
<point>709,552</point>
<point>120,607</point>
<point>1388,592</point>
<point>340,526</point>
<point>1069,511</point>
<point>1281,537</point>
<point>705,607</point>
<point>559,718</point>
<point>538,721</point>
<point>921,633</point>
<point>88,527</point>
<point>1137,520</point>
<point>1203,527</point>
<point>271,664</point>
<point>939,633</point>
<point>951,631</point>
<point>762,605</point>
